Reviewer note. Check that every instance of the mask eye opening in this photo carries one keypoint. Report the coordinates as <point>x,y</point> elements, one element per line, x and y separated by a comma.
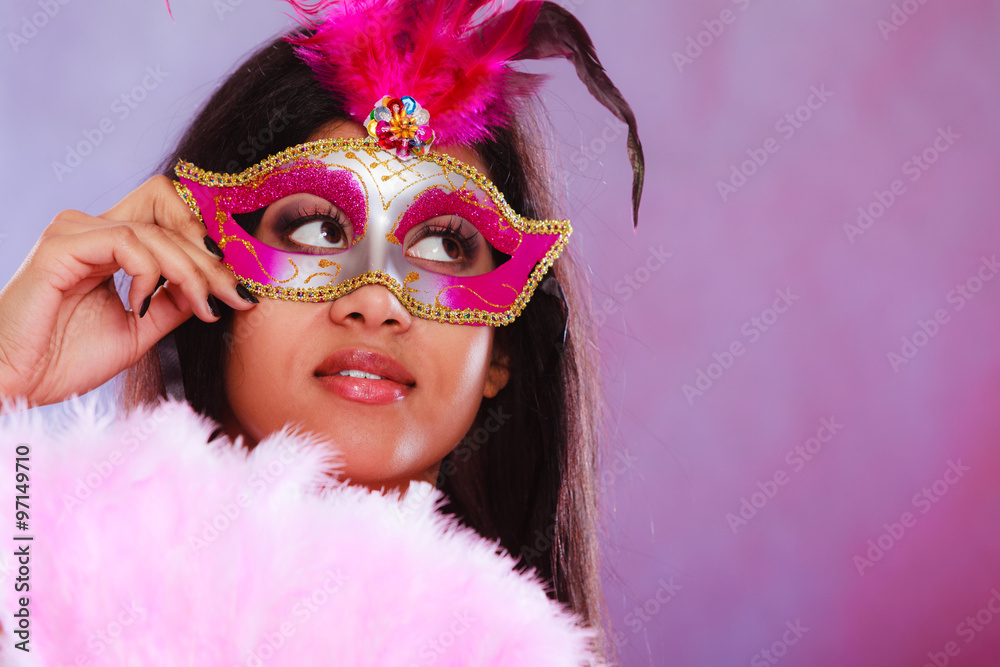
<point>499,258</point>
<point>250,221</point>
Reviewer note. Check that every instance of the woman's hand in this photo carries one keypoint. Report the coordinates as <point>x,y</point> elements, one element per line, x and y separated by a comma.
<point>63,328</point>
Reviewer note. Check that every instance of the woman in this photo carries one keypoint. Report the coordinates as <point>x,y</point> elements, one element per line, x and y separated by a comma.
<point>499,418</point>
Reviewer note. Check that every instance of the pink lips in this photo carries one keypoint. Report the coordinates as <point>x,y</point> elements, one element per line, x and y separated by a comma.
<point>396,382</point>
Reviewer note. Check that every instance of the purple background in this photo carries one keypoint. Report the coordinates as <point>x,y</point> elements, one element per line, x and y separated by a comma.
<point>683,586</point>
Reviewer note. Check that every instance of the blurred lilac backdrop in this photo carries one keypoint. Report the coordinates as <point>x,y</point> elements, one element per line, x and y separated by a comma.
<point>800,345</point>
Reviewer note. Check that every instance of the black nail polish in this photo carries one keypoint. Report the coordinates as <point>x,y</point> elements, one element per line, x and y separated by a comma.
<point>245,294</point>
<point>213,305</point>
<point>159,284</point>
<point>213,247</point>
<point>145,305</point>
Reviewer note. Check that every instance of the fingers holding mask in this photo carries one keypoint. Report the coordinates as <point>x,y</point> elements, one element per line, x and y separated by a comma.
<point>165,222</point>
<point>62,328</point>
<point>146,252</point>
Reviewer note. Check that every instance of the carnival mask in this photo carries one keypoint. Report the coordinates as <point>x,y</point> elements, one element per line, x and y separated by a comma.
<point>321,219</point>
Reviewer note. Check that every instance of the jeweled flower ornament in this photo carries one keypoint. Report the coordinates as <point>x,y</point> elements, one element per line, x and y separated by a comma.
<point>402,126</point>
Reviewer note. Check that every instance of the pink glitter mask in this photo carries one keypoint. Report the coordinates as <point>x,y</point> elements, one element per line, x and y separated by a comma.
<point>324,218</point>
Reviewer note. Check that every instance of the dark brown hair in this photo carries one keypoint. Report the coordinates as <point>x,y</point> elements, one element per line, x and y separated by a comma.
<point>526,472</point>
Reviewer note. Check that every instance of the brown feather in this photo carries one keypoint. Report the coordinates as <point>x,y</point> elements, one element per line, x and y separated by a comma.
<point>558,34</point>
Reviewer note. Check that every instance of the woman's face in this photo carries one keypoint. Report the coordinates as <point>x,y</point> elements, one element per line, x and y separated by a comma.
<point>288,363</point>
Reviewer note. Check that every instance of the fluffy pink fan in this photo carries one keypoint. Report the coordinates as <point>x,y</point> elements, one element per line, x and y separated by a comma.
<point>153,547</point>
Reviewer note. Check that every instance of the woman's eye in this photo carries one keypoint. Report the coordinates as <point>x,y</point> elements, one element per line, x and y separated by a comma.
<point>437,249</point>
<point>449,244</point>
<point>302,222</point>
<point>327,234</point>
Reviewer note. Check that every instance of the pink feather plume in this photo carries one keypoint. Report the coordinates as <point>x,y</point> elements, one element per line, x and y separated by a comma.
<point>451,56</point>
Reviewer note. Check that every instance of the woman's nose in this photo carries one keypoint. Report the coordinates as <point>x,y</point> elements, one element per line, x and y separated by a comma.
<point>370,307</point>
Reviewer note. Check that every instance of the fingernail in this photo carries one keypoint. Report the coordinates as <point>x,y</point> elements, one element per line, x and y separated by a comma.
<point>213,305</point>
<point>145,305</point>
<point>213,247</point>
<point>159,284</point>
<point>245,294</point>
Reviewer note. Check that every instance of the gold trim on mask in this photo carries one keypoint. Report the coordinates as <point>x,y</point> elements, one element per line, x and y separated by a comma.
<point>418,308</point>
<point>439,313</point>
<point>323,147</point>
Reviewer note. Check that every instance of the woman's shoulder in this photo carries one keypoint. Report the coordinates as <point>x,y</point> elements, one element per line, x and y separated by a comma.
<point>145,532</point>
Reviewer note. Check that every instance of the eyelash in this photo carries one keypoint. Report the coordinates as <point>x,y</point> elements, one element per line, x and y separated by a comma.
<point>305,214</point>
<point>452,229</point>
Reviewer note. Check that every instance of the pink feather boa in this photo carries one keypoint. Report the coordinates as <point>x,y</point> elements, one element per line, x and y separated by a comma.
<point>152,547</point>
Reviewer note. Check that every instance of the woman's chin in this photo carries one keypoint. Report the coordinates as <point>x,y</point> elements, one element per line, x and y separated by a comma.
<point>374,450</point>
